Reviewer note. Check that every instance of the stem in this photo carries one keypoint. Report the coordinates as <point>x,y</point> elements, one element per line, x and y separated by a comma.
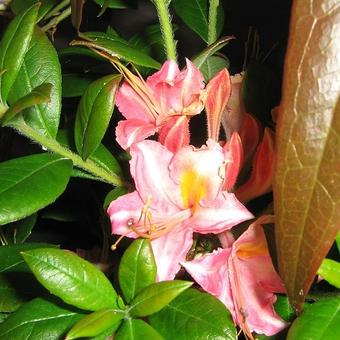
<point>57,148</point>
<point>56,10</point>
<point>55,21</point>
<point>212,34</point>
<point>166,28</point>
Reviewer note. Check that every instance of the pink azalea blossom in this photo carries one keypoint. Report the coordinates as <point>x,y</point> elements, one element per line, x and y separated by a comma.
<point>163,104</point>
<point>176,194</point>
<point>242,276</point>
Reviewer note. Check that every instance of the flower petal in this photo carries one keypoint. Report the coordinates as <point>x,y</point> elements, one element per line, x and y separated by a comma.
<point>132,131</point>
<point>131,104</point>
<point>175,133</point>
<point>149,166</point>
<point>211,273</point>
<point>216,216</point>
<point>122,211</point>
<point>170,250</point>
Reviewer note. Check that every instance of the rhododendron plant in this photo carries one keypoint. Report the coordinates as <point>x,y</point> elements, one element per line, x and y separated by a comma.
<point>143,153</point>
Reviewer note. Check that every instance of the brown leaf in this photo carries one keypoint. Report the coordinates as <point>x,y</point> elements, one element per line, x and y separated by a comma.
<point>307,179</point>
<point>77,13</point>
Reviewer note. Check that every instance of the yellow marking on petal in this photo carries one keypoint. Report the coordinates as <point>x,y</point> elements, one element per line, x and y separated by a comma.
<point>247,250</point>
<point>193,189</point>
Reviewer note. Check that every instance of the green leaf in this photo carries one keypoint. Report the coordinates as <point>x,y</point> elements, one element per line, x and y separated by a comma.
<point>134,329</point>
<point>94,113</point>
<point>113,195</point>
<point>200,59</point>
<point>18,6</point>
<point>213,65</point>
<point>102,156</point>
<point>38,319</point>
<point>74,85</point>
<point>74,280</point>
<point>306,181</point>
<point>39,95</point>
<point>330,271</point>
<point>137,268</point>
<point>195,13</point>
<point>11,299</point>
<point>30,183</point>
<point>157,295</point>
<point>17,232</point>
<point>117,47</point>
<point>118,4</point>
<point>12,261</point>
<point>337,240</point>
<point>13,48</point>
<point>41,65</point>
<point>320,321</point>
<point>283,308</point>
<point>96,323</point>
<point>194,315</point>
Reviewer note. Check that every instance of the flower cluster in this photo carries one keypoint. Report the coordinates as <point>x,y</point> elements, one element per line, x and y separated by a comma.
<point>181,189</point>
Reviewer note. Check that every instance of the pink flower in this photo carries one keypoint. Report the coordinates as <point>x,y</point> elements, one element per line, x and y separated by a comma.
<point>162,104</point>
<point>244,279</point>
<point>176,194</point>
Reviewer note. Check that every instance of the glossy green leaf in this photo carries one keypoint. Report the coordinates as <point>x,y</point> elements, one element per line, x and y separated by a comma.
<point>102,156</point>
<point>200,59</point>
<point>213,65</point>
<point>74,85</point>
<point>113,195</point>
<point>306,195</point>
<point>13,47</point>
<point>320,321</point>
<point>155,296</point>
<point>330,271</point>
<point>195,14</point>
<point>18,6</point>
<point>114,47</point>
<point>39,319</point>
<point>96,323</point>
<point>94,113</point>
<point>39,95</point>
<point>194,315</point>
<point>12,261</point>
<point>137,268</point>
<point>74,280</point>
<point>118,4</point>
<point>17,232</point>
<point>30,183</point>
<point>134,329</point>
<point>41,65</point>
<point>283,308</point>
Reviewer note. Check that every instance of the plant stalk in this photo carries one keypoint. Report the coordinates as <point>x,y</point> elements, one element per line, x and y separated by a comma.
<point>55,21</point>
<point>212,33</point>
<point>162,7</point>
<point>52,145</point>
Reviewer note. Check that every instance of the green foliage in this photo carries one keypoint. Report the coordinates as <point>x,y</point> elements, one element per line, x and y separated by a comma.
<point>74,280</point>
<point>30,183</point>
<point>135,329</point>
<point>194,315</point>
<point>330,271</point>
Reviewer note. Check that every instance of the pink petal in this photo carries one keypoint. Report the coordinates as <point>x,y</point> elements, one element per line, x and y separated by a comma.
<point>131,104</point>
<point>218,92</point>
<point>124,210</point>
<point>211,273</point>
<point>170,250</point>
<point>204,167</point>
<point>234,114</point>
<point>233,148</point>
<point>149,166</point>
<point>167,74</point>
<point>132,131</point>
<point>175,133</point>
<point>216,216</point>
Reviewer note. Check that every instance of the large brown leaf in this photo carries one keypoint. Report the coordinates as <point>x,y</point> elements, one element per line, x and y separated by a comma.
<point>307,179</point>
